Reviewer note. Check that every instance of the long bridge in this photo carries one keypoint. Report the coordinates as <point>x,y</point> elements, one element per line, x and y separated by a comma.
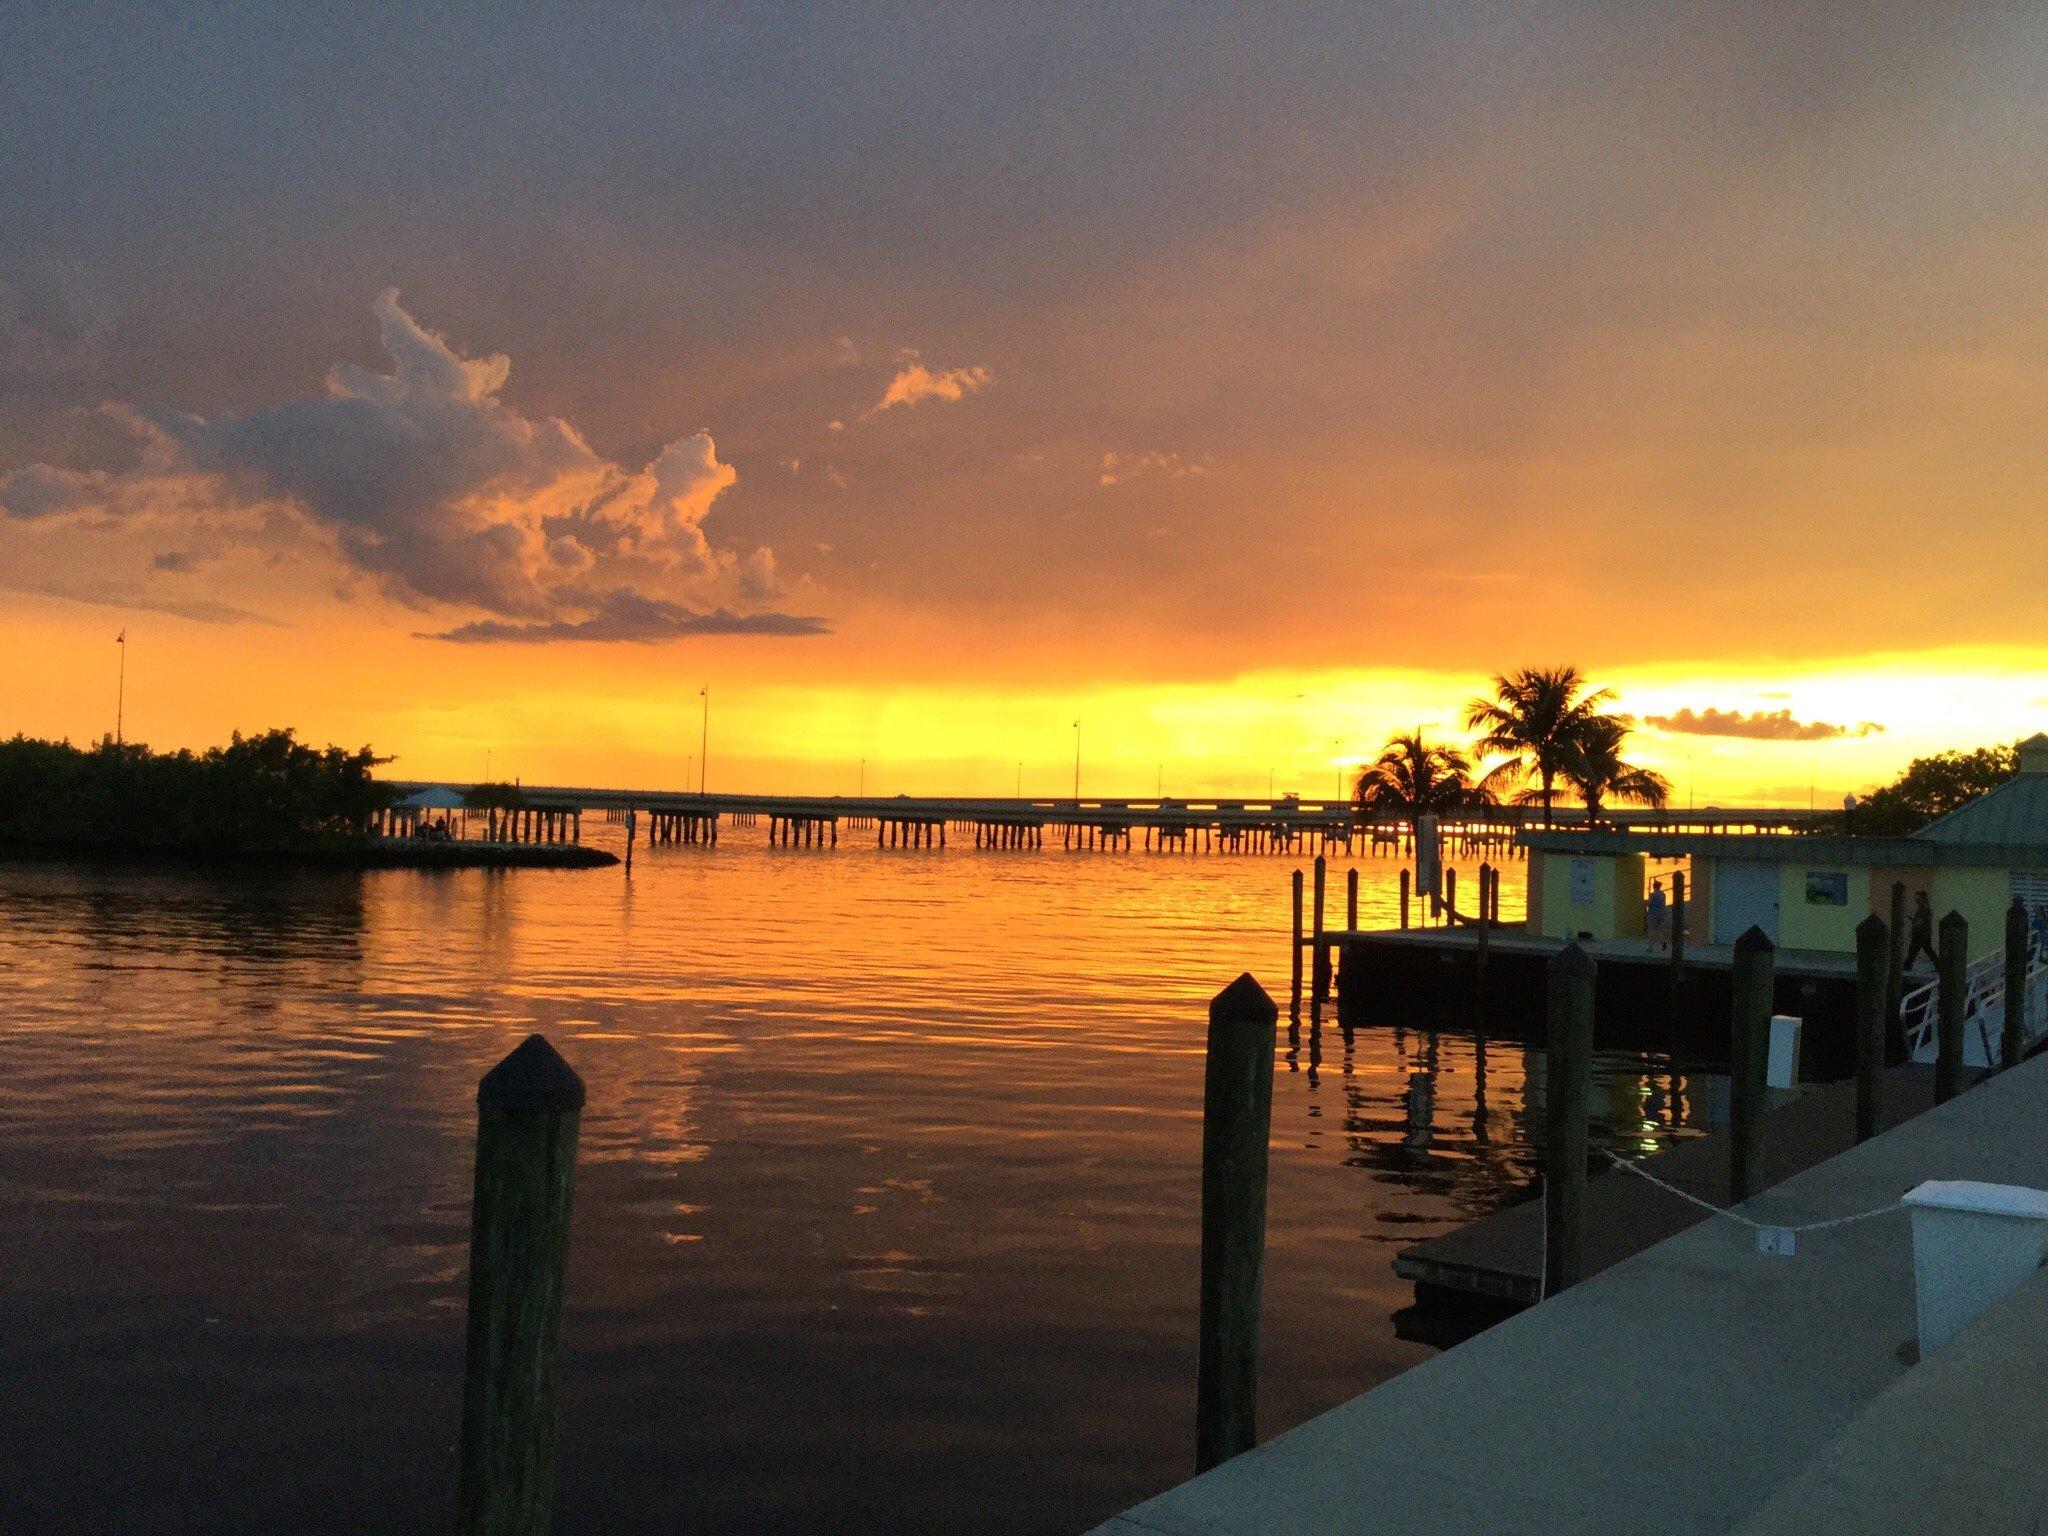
<point>1286,823</point>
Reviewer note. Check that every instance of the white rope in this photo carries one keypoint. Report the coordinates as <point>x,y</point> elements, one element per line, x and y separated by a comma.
<point>1720,1210</point>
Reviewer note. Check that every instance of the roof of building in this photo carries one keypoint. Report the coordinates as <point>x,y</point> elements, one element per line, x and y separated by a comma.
<point>2014,815</point>
<point>1791,847</point>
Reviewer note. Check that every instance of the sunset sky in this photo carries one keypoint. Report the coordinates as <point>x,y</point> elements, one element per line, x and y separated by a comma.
<point>1246,387</point>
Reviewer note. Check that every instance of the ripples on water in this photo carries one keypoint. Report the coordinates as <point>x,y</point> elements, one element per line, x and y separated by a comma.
<point>886,1215</point>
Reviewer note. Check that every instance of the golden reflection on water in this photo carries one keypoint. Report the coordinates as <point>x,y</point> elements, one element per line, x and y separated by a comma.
<point>887,1203</point>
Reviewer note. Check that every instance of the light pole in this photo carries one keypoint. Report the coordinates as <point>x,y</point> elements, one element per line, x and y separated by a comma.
<point>704,741</point>
<point>121,686</point>
<point>1336,748</point>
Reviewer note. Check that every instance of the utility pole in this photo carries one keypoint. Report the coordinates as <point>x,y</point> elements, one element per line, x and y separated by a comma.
<point>121,687</point>
<point>704,742</point>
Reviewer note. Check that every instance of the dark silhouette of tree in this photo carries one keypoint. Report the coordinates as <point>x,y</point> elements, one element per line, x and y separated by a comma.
<point>1934,786</point>
<point>1597,772</point>
<point>1412,777</point>
<point>1537,718</point>
<point>268,793</point>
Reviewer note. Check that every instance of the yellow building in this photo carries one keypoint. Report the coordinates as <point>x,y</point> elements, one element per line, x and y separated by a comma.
<point>1805,891</point>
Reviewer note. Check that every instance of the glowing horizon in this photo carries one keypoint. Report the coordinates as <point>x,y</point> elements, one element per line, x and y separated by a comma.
<point>1261,425</point>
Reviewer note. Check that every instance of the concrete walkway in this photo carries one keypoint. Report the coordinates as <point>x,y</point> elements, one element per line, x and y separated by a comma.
<point>1953,1445</point>
<point>1676,1392</point>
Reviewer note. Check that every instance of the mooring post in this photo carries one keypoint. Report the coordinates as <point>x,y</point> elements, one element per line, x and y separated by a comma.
<point>1568,1071</point>
<point>1952,961</point>
<point>1479,959</point>
<point>1351,900</point>
<point>528,1110</point>
<point>1404,898</point>
<point>1873,978</point>
<point>1451,896</point>
<point>1749,1043</point>
<point>2012,1039</point>
<point>1294,1005</point>
<point>1678,978</point>
<point>1319,959</point>
<point>1237,1118</point>
<point>1895,960</point>
<point>632,828</point>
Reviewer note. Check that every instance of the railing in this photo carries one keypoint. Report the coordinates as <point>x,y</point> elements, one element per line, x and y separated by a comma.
<point>1983,997</point>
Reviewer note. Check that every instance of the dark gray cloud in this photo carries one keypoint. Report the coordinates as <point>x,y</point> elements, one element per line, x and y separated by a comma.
<point>630,617</point>
<point>1763,725</point>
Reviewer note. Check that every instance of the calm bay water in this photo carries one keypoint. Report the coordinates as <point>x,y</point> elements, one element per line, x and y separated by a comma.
<point>886,1215</point>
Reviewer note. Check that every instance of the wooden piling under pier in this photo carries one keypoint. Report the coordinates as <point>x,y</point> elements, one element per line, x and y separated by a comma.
<point>1283,825</point>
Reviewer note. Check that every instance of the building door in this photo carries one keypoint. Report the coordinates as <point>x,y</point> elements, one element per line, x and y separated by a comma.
<point>1745,896</point>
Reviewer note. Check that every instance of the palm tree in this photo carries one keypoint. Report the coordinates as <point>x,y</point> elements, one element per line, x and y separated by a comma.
<point>1413,778</point>
<point>1536,718</point>
<point>1598,774</point>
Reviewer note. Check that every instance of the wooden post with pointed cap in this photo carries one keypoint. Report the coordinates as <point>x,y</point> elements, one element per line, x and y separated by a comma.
<point>1680,987</point>
<point>1749,1039</point>
<point>528,1110</point>
<point>1294,994</point>
<point>2012,1039</point>
<point>1567,1076</point>
<point>1952,962</point>
<point>1873,985</point>
<point>1319,954</point>
<point>1237,1119</point>
<point>1895,960</point>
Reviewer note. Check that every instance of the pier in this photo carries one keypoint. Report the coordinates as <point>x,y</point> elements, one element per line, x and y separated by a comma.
<point>1284,824</point>
<point>1699,1386</point>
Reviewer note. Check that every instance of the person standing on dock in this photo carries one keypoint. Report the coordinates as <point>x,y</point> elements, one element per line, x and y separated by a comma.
<point>1659,914</point>
<point>1921,941</point>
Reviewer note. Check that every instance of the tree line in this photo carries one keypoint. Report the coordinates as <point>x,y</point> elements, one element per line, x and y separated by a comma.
<point>267,793</point>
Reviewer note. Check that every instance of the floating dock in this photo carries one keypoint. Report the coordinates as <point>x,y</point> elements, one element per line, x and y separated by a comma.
<point>1699,1386</point>
<point>1500,1257</point>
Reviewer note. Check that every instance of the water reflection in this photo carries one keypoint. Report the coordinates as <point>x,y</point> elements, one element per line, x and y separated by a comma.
<point>887,1205</point>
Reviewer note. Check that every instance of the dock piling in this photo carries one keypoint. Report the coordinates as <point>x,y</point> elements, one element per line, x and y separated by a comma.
<point>1294,1006</point>
<point>2011,1039</point>
<point>1319,956</point>
<point>1952,951</point>
<point>1754,982</point>
<point>528,1110</point>
<point>1351,900</point>
<point>1895,959</point>
<point>1404,898</point>
<point>1568,1070</point>
<point>1873,982</point>
<point>1679,988</point>
<point>1237,1116</point>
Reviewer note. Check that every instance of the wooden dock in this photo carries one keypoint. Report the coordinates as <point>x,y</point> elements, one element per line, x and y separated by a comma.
<point>1699,1385</point>
<point>1500,1256</point>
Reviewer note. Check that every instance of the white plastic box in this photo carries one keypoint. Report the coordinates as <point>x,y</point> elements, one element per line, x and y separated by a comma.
<point>1972,1243</point>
